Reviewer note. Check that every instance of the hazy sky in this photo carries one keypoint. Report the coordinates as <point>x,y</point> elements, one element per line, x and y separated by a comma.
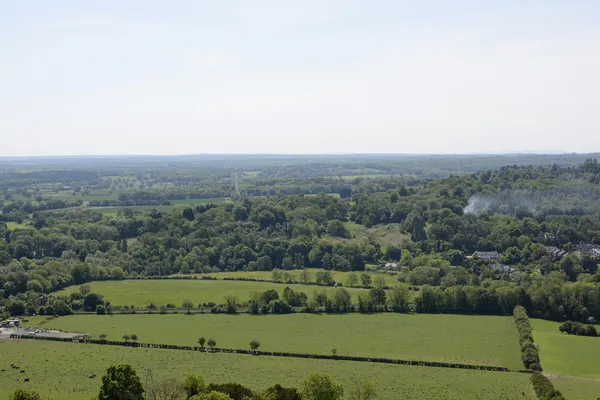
<point>279,76</point>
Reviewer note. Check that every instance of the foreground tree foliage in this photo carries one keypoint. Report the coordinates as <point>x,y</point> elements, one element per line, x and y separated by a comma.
<point>121,383</point>
<point>211,396</point>
<point>21,394</point>
<point>362,391</point>
<point>319,386</point>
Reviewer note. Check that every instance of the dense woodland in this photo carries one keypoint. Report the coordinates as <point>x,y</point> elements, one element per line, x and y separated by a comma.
<point>276,220</point>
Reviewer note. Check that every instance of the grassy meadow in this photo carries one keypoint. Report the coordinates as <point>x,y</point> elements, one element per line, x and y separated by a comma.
<point>338,276</point>
<point>15,225</point>
<point>451,338</point>
<point>141,293</point>
<point>574,389</point>
<point>566,355</point>
<point>386,235</point>
<point>113,211</point>
<point>62,370</point>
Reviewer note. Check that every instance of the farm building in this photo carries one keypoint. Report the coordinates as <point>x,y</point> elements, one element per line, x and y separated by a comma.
<point>391,266</point>
<point>487,255</point>
<point>502,268</point>
<point>592,250</point>
<point>555,252</point>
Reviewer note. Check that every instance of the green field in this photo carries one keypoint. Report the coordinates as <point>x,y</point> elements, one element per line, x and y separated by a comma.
<point>574,389</point>
<point>15,225</point>
<point>202,201</point>
<point>62,370</point>
<point>176,203</point>
<point>451,338</point>
<point>113,211</point>
<point>338,276</point>
<point>566,355</point>
<point>385,235</point>
<point>141,293</point>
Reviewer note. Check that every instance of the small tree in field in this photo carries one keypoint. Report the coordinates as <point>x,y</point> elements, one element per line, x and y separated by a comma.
<point>134,337</point>
<point>188,305</point>
<point>201,341</point>
<point>362,391</point>
<point>211,343</point>
<point>126,338</point>
<point>334,351</point>
<point>254,345</point>
<point>102,336</point>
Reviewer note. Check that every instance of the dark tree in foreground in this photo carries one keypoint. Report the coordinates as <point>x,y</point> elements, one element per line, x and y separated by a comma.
<point>254,345</point>
<point>202,341</point>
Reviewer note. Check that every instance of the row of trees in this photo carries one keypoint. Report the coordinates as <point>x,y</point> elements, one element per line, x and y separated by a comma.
<point>121,382</point>
<point>529,352</point>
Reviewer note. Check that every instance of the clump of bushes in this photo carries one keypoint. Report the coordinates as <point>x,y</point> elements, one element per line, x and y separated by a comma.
<point>577,328</point>
<point>544,390</point>
<point>529,352</point>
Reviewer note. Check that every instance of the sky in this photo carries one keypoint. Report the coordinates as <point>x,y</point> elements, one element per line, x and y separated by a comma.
<point>298,77</point>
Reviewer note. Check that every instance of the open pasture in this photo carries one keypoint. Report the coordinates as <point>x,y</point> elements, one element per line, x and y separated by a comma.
<point>176,204</point>
<point>15,225</point>
<point>566,355</point>
<point>62,370</point>
<point>141,293</point>
<point>450,338</point>
<point>338,276</point>
<point>574,389</point>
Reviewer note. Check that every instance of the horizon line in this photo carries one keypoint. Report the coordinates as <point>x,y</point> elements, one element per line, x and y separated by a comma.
<point>137,155</point>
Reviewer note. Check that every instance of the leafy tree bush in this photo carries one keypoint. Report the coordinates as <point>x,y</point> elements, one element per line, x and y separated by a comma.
<point>21,394</point>
<point>577,328</point>
<point>214,395</point>
<point>280,307</point>
<point>234,390</point>
<point>319,386</point>
<point>121,383</point>
<point>193,385</point>
<point>278,392</point>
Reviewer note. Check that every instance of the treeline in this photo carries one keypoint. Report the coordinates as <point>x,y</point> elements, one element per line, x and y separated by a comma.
<point>278,187</point>
<point>17,211</point>
<point>177,193</point>
<point>529,352</point>
<point>128,203</point>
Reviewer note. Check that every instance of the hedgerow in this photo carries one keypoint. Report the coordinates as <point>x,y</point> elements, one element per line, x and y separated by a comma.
<point>544,390</point>
<point>529,352</point>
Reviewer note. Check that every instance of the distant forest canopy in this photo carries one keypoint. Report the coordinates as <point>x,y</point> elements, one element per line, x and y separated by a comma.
<point>277,165</point>
<point>435,225</point>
